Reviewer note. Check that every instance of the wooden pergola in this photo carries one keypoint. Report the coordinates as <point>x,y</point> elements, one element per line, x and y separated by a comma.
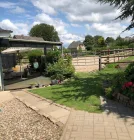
<point>10,42</point>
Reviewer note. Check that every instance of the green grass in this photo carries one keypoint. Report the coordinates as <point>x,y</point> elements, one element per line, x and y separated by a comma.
<point>130,58</point>
<point>82,92</point>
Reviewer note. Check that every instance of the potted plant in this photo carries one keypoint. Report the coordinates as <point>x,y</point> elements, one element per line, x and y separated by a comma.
<point>56,79</point>
<point>32,85</point>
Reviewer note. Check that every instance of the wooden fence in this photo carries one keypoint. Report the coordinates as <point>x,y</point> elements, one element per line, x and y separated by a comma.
<point>114,56</point>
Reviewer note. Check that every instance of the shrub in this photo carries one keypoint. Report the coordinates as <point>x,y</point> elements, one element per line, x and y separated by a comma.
<point>57,77</point>
<point>108,92</point>
<point>63,67</point>
<point>118,80</point>
<point>53,56</point>
<point>129,72</point>
<point>128,89</point>
<point>131,45</point>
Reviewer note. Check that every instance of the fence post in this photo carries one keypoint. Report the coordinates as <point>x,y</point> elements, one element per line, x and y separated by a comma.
<point>100,62</point>
<point>1,75</point>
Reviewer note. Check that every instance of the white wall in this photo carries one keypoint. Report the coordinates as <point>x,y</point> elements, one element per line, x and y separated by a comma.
<point>4,34</point>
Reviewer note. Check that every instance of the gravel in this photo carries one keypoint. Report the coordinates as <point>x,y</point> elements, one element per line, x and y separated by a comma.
<point>17,122</point>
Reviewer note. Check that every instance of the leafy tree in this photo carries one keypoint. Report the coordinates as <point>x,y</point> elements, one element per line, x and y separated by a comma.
<point>47,32</point>
<point>127,9</point>
<point>96,38</point>
<point>131,45</point>
<point>119,41</point>
<point>109,40</point>
<point>101,41</point>
<point>88,42</point>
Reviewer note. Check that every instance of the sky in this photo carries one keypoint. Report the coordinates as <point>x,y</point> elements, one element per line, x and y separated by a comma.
<point>73,19</point>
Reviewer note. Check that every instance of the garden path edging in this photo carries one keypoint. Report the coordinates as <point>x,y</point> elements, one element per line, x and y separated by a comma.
<point>55,113</point>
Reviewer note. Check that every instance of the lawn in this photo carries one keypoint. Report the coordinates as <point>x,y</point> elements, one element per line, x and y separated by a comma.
<point>81,93</point>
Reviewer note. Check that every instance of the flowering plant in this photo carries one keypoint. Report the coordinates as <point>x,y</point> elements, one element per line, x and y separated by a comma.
<point>128,89</point>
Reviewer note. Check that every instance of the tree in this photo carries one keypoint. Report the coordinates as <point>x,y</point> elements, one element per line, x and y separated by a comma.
<point>119,41</point>
<point>47,32</point>
<point>127,9</point>
<point>88,42</point>
<point>109,40</point>
<point>101,42</point>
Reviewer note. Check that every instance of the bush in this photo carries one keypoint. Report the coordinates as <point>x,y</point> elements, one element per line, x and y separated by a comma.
<point>131,45</point>
<point>129,72</point>
<point>53,56</point>
<point>118,80</point>
<point>57,77</point>
<point>63,67</point>
<point>108,92</point>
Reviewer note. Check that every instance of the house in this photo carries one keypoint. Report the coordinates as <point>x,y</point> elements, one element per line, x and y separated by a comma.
<point>75,46</point>
<point>5,33</point>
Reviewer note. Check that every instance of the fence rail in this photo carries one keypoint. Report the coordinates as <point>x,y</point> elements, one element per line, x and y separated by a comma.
<point>116,55</point>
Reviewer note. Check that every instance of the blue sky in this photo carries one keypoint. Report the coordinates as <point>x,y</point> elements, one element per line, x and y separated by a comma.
<point>72,19</point>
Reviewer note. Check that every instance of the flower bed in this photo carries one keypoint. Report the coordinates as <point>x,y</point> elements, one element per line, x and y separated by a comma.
<point>122,86</point>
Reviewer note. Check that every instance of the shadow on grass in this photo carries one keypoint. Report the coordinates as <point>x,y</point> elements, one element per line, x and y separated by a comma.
<point>83,92</point>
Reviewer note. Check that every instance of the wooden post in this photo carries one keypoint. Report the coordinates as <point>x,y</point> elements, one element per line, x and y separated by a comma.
<point>45,50</point>
<point>99,62</point>
<point>114,55</point>
<point>1,75</point>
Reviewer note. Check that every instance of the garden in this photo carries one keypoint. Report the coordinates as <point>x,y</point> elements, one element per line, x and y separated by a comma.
<point>82,91</point>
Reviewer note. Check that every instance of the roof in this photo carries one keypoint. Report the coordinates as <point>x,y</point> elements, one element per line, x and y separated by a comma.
<point>75,44</point>
<point>28,37</point>
<point>3,30</point>
<point>12,41</point>
<point>15,49</point>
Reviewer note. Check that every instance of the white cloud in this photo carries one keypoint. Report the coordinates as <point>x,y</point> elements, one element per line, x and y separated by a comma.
<point>78,11</point>
<point>44,6</point>
<point>18,10</point>
<point>69,38</point>
<point>7,4</point>
<point>59,25</point>
<point>94,17</point>
<point>87,26</point>
<point>75,25</point>
<point>110,29</point>
<point>17,28</point>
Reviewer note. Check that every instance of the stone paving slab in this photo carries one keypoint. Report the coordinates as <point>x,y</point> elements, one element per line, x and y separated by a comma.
<point>112,124</point>
<point>55,113</point>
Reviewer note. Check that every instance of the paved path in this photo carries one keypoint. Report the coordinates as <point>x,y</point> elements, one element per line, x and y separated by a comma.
<point>116,123</point>
<point>5,96</point>
<point>54,112</point>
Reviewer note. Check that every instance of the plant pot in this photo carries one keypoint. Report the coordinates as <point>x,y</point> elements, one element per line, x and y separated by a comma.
<point>32,86</point>
<point>39,85</point>
<point>54,82</point>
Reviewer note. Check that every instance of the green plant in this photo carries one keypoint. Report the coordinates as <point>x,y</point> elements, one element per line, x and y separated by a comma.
<point>57,77</point>
<point>63,67</point>
<point>108,92</point>
<point>131,45</point>
<point>129,72</point>
<point>118,81</point>
<point>34,54</point>
<point>53,56</point>
<point>128,90</point>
